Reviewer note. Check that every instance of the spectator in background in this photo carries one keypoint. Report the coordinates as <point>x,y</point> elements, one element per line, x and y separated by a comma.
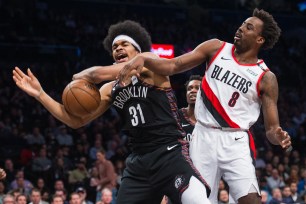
<point>41,163</point>
<point>275,181</point>
<point>264,197</point>
<point>63,138</point>
<point>59,185</point>
<point>21,199</point>
<point>41,186</point>
<point>223,197</point>
<point>63,194</point>
<point>21,184</point>
<point>287,195</point>
<point>94,185</point>
<point>15,193</point>
<point>9,170</point>
<point>276,196</point>
<point>302,181</point>
<point>106,197</point>
<point>282,172</point>
<point>35,197</point>
<point>36,137</point>
<point>79,174</point>
<point>56,199</point>
<point>83,195</point>
<point>74,199</point>
<point>294,193</point>
<point>8,199</point>
<point>107,175</point>
<point>93,150</point>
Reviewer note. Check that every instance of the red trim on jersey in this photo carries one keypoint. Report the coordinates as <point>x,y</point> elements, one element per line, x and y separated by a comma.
<point>233,49</point>
<point>258,82</point>
<point>217,53</point>
<point>252,144</point>
<point>216,104</point>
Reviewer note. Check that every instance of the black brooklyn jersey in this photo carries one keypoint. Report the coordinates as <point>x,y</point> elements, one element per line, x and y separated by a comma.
<point>186,124</point>
<point>149,113</point>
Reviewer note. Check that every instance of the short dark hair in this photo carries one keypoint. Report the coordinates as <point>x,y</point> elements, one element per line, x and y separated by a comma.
<point>270,30</point>
<point>131,29</point>
<point>193,77</point>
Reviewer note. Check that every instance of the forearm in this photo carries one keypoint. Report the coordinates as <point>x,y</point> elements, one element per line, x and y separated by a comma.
<point>98,74</point>
<point>168,67</point>
<point>58,111</point>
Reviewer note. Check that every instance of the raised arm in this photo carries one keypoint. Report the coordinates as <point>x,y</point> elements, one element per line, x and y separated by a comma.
<point>269,94</point>
<point>98,74</point>
<point>30,84</point>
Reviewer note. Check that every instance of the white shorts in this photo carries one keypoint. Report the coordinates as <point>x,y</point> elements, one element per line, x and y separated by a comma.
<point>217,153</point>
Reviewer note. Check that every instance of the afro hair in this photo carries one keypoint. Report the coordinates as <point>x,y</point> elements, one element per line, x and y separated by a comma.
<point>131,29</point>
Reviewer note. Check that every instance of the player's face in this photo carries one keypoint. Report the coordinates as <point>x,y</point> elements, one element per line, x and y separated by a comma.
<point>249,34</point>
<point>123,51</point>
<point>192,90</point>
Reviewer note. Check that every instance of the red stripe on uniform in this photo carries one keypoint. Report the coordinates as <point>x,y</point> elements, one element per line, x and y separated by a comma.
<point>216,104</point>
<point>252,145</point>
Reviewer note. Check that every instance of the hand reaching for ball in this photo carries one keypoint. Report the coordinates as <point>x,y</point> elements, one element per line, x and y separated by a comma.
<point>27,82</point>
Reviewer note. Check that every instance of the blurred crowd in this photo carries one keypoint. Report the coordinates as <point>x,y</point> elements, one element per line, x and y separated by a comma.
<point>46,161</point>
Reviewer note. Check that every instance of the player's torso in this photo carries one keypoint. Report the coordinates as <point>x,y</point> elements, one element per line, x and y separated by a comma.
<point>229,95</point>
<point>149,114</point>
<point>186,124</point>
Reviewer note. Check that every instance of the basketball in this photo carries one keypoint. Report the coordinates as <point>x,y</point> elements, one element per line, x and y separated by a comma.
<point>81,97</point>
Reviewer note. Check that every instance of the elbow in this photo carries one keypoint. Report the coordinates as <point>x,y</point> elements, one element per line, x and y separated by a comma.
<point>76,125</point>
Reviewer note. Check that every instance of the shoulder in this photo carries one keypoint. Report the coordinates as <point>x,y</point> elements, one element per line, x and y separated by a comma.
<point>209,47</point>
<point>268,81</point>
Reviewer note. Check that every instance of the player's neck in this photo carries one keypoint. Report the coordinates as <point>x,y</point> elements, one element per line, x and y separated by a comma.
<point>190,112</point>
<point>247,57</point>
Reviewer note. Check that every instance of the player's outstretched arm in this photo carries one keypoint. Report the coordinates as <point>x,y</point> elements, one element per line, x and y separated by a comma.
<point>2,174</point>
<point>30,84</point>
<point>269,93</point>
<point>168,67</point>
<point>98,74</point>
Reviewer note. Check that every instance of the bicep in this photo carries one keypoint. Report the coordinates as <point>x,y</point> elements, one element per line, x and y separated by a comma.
<point>200,54</point>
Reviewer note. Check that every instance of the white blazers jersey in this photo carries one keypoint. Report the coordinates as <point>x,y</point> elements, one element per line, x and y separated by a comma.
<point>229,95</point>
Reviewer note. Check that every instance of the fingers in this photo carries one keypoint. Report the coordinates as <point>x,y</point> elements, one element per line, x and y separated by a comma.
<point>286,140</point>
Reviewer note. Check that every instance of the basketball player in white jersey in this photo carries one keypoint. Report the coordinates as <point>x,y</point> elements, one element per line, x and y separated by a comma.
<point>235,86</point>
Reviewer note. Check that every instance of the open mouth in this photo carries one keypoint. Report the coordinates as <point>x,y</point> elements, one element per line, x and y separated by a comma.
<point>193,97</point>
<point>121,57</point>
<point>237,36</point>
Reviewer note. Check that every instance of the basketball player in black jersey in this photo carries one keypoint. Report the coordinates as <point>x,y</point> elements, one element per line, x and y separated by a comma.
<point>186,114</point>
<point>159,163</point>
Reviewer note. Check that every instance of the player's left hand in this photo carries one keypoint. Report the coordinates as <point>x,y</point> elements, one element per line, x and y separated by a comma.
<point>283,138</point>
<point>2,174</point>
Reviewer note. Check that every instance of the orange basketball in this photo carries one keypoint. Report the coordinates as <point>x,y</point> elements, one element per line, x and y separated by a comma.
<point>81,97</point>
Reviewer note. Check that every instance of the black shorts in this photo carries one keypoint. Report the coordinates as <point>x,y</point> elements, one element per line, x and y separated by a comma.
<point>165,171</point>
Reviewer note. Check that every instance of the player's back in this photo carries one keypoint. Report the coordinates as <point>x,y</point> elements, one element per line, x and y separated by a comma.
<point>149,114</point>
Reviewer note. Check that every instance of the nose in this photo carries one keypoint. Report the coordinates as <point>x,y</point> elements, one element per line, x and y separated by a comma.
<point>119,47</point>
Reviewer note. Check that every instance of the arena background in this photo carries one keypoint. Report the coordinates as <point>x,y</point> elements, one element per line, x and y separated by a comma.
<point>57,38</point>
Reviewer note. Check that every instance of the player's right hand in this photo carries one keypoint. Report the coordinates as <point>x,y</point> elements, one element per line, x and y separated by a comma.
<point>27,82</point>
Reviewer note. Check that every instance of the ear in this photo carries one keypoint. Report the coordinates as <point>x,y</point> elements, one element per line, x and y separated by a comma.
<point>261,40</point>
